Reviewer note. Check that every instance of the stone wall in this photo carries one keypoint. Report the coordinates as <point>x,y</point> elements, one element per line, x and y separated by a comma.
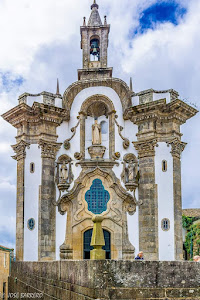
<point>87,280</point>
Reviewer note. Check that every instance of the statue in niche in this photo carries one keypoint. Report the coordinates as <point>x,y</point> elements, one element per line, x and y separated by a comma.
<point>64,173</point>
<point>96,133</point>
<point>131,171</point>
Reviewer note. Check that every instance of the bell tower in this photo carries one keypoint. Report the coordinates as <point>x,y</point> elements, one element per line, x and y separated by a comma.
<point>94,43</point>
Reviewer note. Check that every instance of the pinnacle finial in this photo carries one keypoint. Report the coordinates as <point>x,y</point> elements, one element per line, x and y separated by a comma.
<point>131,84</point>
<point>105,20</point>
<point>94,5</point>
<point>84,21</point>
<point>58,89</point>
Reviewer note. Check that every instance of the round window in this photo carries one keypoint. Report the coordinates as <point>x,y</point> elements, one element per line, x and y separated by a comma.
<point>31,224</point>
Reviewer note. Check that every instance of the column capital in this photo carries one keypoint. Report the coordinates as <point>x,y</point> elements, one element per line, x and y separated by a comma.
<point>145,148</point>
<point>49,149</point>
<point>20,150</point>
<point>177,147</point>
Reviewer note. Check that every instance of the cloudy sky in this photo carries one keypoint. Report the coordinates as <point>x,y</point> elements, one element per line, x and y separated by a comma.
<point>157,42</point>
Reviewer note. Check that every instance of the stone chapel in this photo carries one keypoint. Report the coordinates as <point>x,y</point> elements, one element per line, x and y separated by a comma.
<point>99,149</point>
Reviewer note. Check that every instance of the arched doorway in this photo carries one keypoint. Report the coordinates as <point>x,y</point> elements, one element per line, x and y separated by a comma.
<point>87,241</point>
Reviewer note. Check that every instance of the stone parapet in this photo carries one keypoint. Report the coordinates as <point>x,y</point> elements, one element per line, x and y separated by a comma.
<point>88,280</point>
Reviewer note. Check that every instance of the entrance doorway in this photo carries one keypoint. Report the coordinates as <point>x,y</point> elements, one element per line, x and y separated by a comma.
<point>87,241</point>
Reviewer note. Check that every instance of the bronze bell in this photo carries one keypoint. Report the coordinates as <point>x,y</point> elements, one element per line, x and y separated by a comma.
<point>95,51</point>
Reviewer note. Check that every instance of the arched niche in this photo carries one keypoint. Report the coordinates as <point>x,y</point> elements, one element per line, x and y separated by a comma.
<point>95,107</point>
<point>119,86</point>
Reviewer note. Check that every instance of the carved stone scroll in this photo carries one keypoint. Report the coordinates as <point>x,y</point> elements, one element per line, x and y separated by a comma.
<point>66,143</point>
<point>126,142</point>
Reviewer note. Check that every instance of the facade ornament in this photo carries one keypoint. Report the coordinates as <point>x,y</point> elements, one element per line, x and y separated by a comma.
<point>177,147</point>
<point>96,133</point>
<point>20,150</point>
<point>66,143</point>
<point>145,148</point>
<point>116,156</point>
<point>96,152</point>
<point>78,155</point>
<point>126,142</point>
<point>64,175</point>
<point>49,149</point>
<point>130,172</point>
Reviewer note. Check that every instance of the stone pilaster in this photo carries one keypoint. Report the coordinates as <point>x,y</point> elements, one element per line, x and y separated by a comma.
<point>82,134</point>
<point>47,210</point>
<point>148,211</point>
<point>66,250</point>
<point>111,134</point>
<point>176,149</point>
<point>20,150</point>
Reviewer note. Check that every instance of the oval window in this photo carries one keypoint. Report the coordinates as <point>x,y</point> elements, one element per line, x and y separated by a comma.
<point>31,224</point>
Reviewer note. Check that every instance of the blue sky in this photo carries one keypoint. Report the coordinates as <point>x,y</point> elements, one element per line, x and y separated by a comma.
<point>162,53</point>
<point>161,12</point>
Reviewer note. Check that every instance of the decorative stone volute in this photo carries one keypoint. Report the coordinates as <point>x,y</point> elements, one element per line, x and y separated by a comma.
<point>145,148</point>
<point>49,149</point>
<point>20,150</point>
<point>177,147</point>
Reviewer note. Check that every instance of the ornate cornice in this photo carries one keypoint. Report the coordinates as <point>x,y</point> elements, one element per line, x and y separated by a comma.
<point>177,147</point>
<point>49,149</point>
<point>145,148</point>
<point>20,150</point>
<point>160,110</point>
<point>23,113</point>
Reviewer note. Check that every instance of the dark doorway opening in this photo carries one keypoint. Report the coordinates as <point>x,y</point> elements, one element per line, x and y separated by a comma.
<point>87,241</point>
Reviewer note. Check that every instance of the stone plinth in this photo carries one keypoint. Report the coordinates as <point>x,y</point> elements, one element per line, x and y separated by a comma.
<point>96,151</point>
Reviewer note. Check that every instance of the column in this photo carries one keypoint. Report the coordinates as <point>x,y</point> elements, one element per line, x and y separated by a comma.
<point>19,149</point>
<point>148,211</point>
<point>176,149</point>
<point>47,208</point>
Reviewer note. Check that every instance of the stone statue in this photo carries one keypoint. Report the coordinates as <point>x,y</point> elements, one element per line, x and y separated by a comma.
<point>64,174</point>
<point>96,133</point>
<point>132,170</point>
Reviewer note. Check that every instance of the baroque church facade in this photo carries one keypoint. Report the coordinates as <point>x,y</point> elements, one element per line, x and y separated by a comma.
<point>100,149</point>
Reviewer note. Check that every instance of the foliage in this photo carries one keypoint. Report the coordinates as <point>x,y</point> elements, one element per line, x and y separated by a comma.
<point>187,221</point>
<point>193,235</point>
